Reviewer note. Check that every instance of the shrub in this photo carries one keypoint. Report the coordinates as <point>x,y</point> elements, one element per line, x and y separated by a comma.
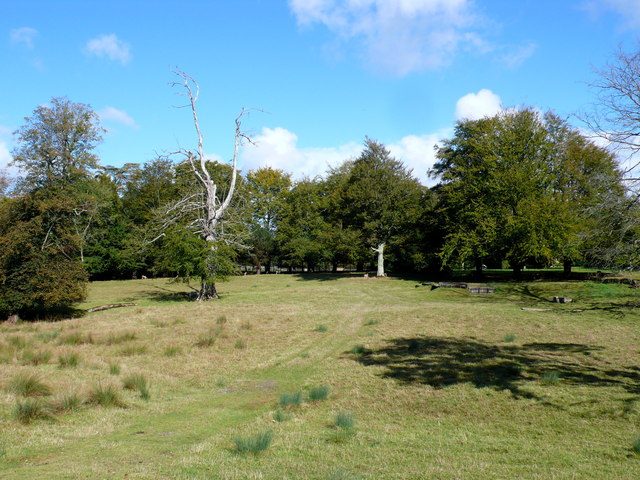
<point>319,393</point>
<point>321,328</point>
<point>30,409</point>
<point>240,344</point>
<point>550,378</point>
<point>281,416</point>
<point>105,396</point>
<point>68,402</point>
<point>255,444</point>
<point>510,337</point>
<point>28,385</point>
<point>114,369</point>
<point>39,357</point>
<point>68,360</point>
<point>290,399</point>
<point>137,381</point>
<point>172,351</point>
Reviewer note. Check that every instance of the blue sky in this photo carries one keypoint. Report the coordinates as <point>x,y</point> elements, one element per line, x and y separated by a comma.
<point>326,73</point>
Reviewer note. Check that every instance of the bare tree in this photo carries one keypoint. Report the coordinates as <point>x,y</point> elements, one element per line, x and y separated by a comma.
<point>206,208</point>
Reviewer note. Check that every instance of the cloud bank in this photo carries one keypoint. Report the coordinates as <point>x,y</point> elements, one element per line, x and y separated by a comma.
<point>112,114</point>
<point>109,46</point>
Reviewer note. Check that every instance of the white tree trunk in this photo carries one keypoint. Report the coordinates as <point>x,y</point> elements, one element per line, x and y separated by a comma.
<point>380,251</point>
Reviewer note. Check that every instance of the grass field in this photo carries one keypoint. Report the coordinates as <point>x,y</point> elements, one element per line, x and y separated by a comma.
<point>326,377</point>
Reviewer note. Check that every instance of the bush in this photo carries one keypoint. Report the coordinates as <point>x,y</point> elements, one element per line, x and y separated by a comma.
<point>290,399</point>
<point>39,357</point>
<point>68,360</point>
<point>28,385</point>
<point>30,409</point>
<point>254,444</point>
<point>105,396</point>
<point>319,393</point>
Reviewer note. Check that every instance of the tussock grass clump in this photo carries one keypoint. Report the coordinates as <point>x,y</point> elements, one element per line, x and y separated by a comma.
<point>636,445</point>
<point>550,378</point>
<point>158,323</point>
<point>344,421</point>
<point>321,328</point>
<point>290,399</point>
<point>17,342</point>
<point>317,394</point>
<point>39,357</point>
<point>206,340</point>
<point>114,369</point>
<point>137,381</point>
<point>281,416</point>
<point>30,409</point>
<point>131,350</point>
<point>68,360</point>
<point>75,338</point>
<point>254,444</point>
<point>172,351</point>
<point>340,474</point>
<point>105,396</point>
<point>240,344</point>
<point>246,325</point>
<point>508,338</point>
<point>68,402</point>
<point>359,350</point>
<point>221,320</point>
<point>46,337</point>
<point>117,338</point>
<point>28,385</point>
<point>371,321</point>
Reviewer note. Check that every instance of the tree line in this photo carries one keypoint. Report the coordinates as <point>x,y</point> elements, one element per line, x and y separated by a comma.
<point>517,189</point>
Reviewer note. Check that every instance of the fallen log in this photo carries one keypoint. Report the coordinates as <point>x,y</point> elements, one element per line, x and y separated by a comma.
<point>110,306</point>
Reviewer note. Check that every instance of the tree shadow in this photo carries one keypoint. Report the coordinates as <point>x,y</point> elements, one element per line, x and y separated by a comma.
<point>445,362</point>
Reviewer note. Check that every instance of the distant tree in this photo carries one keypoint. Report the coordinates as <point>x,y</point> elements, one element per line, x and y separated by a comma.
<point>4,182</point>
<point>380,198</point>
<point>267,190</point>
<point>56,144</point>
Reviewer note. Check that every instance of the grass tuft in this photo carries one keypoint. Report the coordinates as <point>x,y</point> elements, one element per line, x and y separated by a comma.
<point>359,350</point>
<point>68,402</point>
<point>317,394</point>
<point>344,421</point>
<point>371,321</point>
<point>290,399</point>
<point>636,445</point>
<point>105,396</point>
<point>39,357</point>
<point>28,385</point>
<point>240,344</point>
<point>131,350</point>
<point>137,381</point>
<point>46,337</point>
<point>118,338</point>
<point>114,369</point>
<point>254,444</point>
<point>321,328</point>
<point>221,320</point>
<point>17,341</point>
<point>550,378</point>
<point>281,416</point>
<point>508,338</point>
<point>30,409</point>
<point>246,325</point>
<point>206,340</point>
<point>172,351</point>
<point>75,338</point>
<point>68,360</point>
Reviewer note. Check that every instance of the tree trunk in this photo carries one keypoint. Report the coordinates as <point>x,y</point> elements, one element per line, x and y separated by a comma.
<point>380,251</point>
<point>258,269</point>
<point>567,265</point>
<point>517,270</point>
<point>334,266</point>
<point>478,266</point>
<point>207,291</point>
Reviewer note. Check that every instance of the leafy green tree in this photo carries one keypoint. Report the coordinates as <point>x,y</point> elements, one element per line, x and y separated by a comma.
<point>57,143</point>
<point>380,198</point>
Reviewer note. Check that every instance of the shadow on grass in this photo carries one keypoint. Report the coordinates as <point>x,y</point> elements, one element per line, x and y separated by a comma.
<point>444,362</point>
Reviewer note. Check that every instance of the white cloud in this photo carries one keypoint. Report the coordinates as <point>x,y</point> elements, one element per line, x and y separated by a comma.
<point>629,10</point>
<point>112,114</point>
<point>474,106</point>
<point>278,148</point>
<point>23,36</point>
<point>518,55</point>
<point>398,36</point>
<point>109,46</point>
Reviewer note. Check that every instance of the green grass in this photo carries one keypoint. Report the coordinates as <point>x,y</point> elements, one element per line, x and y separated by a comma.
<point>317,394</point>
<point>254,444</point>
<point>435,390</point>
<point>290,399</point>
<point>28,385</point>
<point>37,357</point>
<point>114,368</point>
<point>68,360</point>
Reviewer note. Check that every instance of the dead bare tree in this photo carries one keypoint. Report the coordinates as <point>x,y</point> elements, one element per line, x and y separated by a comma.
<point>205,209</point>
